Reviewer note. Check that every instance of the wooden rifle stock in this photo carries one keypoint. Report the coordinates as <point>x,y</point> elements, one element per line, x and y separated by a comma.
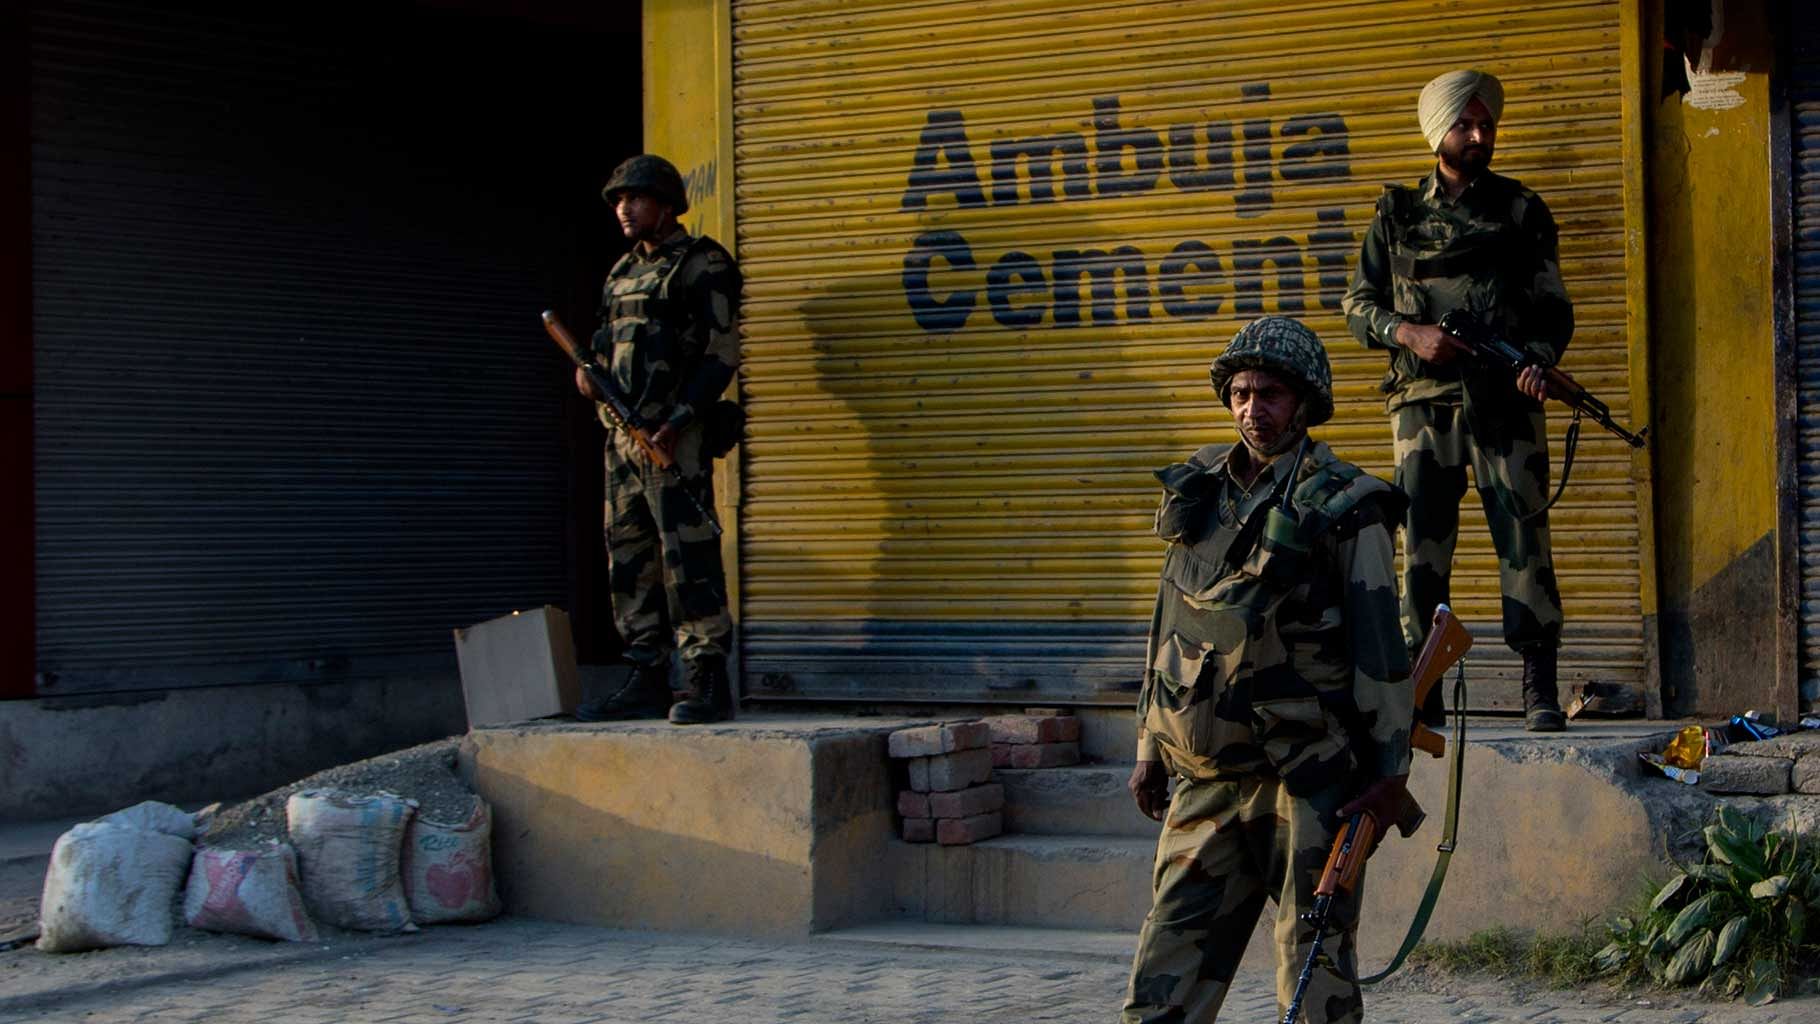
<point>1347,858</point>
<point>617,410</point>
<point>1448,642</point>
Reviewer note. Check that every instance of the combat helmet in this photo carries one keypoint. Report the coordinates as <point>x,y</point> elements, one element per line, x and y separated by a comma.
<point>649,173</point>
<point>1286,346</point>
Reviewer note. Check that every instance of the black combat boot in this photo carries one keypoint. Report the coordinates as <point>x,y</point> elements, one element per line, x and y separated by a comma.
<point>709,692</point>
<point>646,694</point>
<point>1541,703</point>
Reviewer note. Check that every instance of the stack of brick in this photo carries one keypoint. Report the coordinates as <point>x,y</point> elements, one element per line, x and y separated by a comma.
<point>952,799</point>
<point>1035,741</point>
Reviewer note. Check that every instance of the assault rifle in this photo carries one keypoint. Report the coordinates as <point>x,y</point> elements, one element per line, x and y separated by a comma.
<point>1486,344</point>
<point>1345,862</point>
<point>1448,642</point>
<point>620,413</point>
<point>616,408</point>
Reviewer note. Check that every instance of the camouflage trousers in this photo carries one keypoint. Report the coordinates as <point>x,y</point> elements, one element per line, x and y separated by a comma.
<point>663,559</point>
<point>1433,448</point>
<point>1226,848</point>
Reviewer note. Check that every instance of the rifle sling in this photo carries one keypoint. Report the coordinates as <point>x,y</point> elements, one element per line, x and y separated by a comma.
<point>1570,446</point>
<point>1450,829</point>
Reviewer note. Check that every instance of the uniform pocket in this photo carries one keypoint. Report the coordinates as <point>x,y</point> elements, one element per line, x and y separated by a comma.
<point>1180,707</point>
<point>1299,736</point>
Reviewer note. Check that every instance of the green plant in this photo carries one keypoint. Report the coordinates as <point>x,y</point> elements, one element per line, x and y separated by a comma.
<point>1735,923</point>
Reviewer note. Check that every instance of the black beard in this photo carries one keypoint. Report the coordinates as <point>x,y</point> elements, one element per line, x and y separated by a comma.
<point>1467,163</point>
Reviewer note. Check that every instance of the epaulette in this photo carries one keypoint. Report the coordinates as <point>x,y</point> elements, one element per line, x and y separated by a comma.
<point>1338,489</point>
<point>1398,204</point>
<point>699,245</point>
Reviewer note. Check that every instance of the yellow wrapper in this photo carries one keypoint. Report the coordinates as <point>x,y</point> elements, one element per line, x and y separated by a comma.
<point>1687,749</point>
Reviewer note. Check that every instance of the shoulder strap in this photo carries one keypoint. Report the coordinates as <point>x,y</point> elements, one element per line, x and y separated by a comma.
<point>1336,489</point>
<point>1397,204</point>
<point>698,245</point>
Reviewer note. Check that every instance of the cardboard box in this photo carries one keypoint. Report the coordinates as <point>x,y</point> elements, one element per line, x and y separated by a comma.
<point>518,667</point>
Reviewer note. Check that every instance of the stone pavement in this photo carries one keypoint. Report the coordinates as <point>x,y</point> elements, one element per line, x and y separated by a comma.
<point>536,972</point>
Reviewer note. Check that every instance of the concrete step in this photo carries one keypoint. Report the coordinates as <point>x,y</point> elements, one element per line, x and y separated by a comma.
<point>1089,800</point>
<point>1049,881</point>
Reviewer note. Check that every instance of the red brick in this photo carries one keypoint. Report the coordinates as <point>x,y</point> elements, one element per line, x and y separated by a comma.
<point>934,740</point>
<point>912,804</point>
<point>965,736</point>
<point>950,771</point>
<point>1001,755</point>
<point>1034,729</point>
<point>1042,755</point>
<point>961,831</point>
<point>919,830</point>
<point>922,742</point>
<point>965,803</point>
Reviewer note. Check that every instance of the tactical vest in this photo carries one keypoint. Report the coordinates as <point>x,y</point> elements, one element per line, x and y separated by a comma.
<point>1269,555</point>
<point>645,323</point>
<point>1237,594</point>
<point>1419,266</point>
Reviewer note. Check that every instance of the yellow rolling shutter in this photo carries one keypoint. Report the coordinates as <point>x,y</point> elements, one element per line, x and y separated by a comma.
<point>989,251</point>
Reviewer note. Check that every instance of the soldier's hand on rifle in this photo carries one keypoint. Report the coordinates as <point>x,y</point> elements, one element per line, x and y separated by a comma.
<point>1149,786</point>
<point>585,385</point>
<point>1430,343</point>
<point>1533,381</point>
<point>1383,800</point>
<point>665,441</point>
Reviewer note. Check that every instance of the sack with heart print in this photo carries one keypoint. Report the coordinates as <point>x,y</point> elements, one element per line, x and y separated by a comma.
<point>448,869</point>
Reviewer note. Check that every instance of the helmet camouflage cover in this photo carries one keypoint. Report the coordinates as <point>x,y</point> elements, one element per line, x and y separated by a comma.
<point>650,174</point>
<point>1285,346</point>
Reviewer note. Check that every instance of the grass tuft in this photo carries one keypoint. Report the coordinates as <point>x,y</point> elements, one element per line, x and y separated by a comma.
<point>1558,961</point>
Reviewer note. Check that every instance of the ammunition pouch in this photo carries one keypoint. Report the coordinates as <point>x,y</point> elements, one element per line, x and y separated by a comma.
<point>723,425</point>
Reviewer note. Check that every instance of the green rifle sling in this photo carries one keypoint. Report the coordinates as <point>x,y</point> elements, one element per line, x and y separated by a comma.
<point>1449,830</point>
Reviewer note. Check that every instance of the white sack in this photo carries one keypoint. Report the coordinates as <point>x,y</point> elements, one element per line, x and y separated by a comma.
<point>109,885</point>
<point>347,847</point>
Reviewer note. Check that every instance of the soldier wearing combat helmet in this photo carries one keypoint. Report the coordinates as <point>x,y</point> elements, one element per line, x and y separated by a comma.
<point>1276,688</point>
<point>668,344</point>
<point>1467,239</point>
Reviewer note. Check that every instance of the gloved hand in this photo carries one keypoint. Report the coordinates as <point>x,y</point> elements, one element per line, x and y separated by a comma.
<point>1384,801</point>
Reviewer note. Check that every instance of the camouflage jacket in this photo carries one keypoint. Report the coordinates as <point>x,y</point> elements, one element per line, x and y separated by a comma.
<point>1277,652</point>
<point>1491,251</point>
<point>667,336</point>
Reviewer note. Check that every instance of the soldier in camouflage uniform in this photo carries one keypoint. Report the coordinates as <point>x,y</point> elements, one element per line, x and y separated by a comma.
<point>1465,238</point>
<point>668,344</point>
<point>1277,692</point>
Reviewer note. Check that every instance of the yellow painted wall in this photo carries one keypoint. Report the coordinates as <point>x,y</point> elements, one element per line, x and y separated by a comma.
<point>1712,368</point>
<point>686,72</point>
<point>688,104</point>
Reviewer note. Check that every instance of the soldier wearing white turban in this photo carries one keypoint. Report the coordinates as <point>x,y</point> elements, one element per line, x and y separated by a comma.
<point>1446,98</point>
<point>1467,239</point>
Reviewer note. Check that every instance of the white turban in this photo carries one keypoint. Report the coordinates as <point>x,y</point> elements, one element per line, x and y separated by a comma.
<point>1444,98</point>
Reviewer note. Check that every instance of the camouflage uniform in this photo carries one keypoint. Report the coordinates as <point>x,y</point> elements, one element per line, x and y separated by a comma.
<point>1491,251</point>
<point>1277,690</point>
<point>668,343</point>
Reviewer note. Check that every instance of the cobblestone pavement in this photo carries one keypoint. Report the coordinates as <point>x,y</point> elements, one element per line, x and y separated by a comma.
<point>542,973</point>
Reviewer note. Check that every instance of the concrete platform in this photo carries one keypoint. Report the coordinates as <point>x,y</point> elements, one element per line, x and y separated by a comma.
<point>783,826</point>
<point>768,826</point>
